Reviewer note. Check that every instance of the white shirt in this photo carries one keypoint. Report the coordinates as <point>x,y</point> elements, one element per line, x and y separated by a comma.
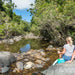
<point>69,49</point>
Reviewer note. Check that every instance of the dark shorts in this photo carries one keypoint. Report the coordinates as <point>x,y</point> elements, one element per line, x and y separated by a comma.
<point>66,58</point>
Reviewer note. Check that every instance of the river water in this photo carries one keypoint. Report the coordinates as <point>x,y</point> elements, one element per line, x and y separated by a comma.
<point>35,44</point>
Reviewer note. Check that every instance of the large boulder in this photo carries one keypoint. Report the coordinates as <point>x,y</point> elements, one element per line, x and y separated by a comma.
<point>61,69</point>
<point>6,58</point>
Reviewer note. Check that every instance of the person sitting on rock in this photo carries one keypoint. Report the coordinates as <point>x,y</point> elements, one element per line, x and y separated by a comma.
<point>68,52</point>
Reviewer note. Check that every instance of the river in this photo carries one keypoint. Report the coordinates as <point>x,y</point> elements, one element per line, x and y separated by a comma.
<point>35,44</point>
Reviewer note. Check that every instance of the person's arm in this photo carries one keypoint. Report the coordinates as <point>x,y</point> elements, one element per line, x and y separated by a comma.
<point>73,56</point>
<point>64,50</point>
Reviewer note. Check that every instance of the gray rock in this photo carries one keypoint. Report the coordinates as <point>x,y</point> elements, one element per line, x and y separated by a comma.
<point>19,65</point>
<point>5,41</point>
<point>39,66</point>
<point>16,54</point>
<point>39,61</point>
<point>47,59</point>
<point>6,58</point>
<point>29,65</point>
<point>4,69</point>
<point>50,46</point>
<point>31,36</point>
<point>41,50</point>
<point>26,60</point>
<point>61,69</point>
<point>10,41</point>
<point>17,38</point>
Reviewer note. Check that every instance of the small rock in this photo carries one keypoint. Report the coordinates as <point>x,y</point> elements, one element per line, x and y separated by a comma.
<point>28,65</point>
<point>19,57</point>
<point>24,53</point>
<point>38,66</point>
<point>30,52</point>
<point>41,50</point>
<point>5,41</point>
<point>39,61</point>
<point>38,56</point>
<point>14,70</point>
<point>60,48</point>
<point>43,53</point>
<point>50,46</point>
<point>10,41</point>
<point>19,65</point>
<point>16,54</point>
<point>47,59</point>
<point>26,60</point>
<point>4,69</point>
<point>17,38</point>
<point>43,59</point>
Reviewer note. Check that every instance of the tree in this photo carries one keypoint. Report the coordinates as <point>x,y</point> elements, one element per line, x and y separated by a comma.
<point>10,23</point>
<point>56,15</point>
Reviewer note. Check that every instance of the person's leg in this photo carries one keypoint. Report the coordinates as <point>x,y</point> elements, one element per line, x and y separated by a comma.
<point>66,58</point>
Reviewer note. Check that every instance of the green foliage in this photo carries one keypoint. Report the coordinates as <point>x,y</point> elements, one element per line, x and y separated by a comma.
<point>57,15</point>
<point>10,23</point>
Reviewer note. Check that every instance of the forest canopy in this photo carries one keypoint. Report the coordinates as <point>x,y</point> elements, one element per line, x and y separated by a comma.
<point>10,23</point>
<point>54,19</point>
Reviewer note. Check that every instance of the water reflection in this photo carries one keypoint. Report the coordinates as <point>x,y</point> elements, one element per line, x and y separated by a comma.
<point>35,44</point>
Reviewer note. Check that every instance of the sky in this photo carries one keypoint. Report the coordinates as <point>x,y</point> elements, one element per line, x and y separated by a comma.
<point>21,9</point>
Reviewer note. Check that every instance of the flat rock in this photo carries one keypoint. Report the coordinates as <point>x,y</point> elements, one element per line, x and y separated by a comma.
<point>61,69</point>
<point>29,65</point>
<point>38,66</point>
<point>25,60</point>
<point>47,59</point>
<point>50,46</point>
<point>39,61</point>
<point>19,65</point>
<point>10,41</point>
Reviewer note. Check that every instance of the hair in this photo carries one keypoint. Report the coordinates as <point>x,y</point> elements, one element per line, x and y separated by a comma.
<point>69,39</point>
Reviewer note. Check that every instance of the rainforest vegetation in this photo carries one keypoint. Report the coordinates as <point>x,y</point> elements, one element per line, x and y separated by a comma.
<point>10,23</point>
<point>52,19</point>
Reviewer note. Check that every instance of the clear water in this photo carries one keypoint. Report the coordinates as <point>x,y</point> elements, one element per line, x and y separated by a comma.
<point>35,44</point>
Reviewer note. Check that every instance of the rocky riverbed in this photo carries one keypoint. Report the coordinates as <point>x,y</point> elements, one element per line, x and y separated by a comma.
<point>18,38</point>
<point>32,61</point>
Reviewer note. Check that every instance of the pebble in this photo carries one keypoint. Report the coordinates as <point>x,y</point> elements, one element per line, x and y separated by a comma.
<point>31,60</point>
<point>19,65</point>
<point>29,65</point>
<point>26,60</point>
<point>39,61</point>
<point>39,66</point>
<point>50,46</point>
<point>47,59</point>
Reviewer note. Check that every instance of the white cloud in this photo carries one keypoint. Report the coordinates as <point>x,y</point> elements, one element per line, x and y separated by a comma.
<point>22,4</point>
